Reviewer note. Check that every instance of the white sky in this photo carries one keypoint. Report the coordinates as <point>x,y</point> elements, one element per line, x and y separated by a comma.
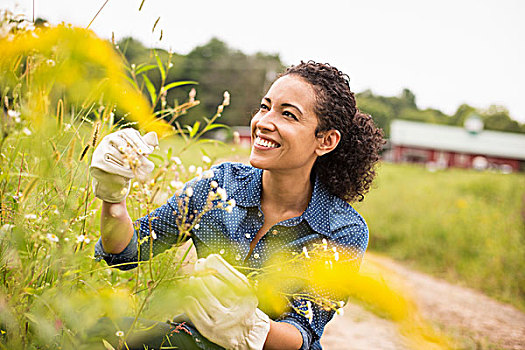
<point>447,52</point>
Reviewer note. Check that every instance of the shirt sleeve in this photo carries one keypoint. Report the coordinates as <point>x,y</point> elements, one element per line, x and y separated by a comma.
<point>312,327</point>
<point>159,230</point>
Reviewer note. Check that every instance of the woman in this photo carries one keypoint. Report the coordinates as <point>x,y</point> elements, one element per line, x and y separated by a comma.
<point>312,153</point>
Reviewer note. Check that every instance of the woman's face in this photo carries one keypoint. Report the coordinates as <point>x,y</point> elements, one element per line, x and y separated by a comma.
<point>283,130</point>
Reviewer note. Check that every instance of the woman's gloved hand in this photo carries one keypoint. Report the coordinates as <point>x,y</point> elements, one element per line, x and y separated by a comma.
<point>223,307</point>
<point>118,158</point>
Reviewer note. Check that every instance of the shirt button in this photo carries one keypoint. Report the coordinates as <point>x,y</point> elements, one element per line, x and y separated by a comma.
<point>247,235</point>
<point>256,256</point>
<point>274,232</point>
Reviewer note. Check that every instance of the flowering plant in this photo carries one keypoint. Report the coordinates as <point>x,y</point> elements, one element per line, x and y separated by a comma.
<point>62,89</point>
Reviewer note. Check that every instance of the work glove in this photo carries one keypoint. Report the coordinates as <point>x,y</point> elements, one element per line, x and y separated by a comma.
<point>118,158</point>
<point>223,307</point>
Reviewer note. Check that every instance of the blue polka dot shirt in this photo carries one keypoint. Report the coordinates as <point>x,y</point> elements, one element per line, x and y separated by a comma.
<point>230,233</point>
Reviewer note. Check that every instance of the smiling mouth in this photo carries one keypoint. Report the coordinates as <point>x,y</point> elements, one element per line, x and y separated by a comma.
<point>265,143</point>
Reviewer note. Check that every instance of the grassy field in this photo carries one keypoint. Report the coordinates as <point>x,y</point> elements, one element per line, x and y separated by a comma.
<point>461,225</point>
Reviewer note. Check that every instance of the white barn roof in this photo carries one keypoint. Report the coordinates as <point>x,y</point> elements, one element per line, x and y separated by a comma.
<point>457,139</point>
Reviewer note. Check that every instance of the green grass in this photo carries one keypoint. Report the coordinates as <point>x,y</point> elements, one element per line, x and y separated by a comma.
<point>461,225</point>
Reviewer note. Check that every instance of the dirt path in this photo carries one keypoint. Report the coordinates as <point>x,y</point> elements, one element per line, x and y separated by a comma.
<point>475,317</point>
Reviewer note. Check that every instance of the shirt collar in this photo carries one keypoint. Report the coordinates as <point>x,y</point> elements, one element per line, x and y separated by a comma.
<point>247,193</point>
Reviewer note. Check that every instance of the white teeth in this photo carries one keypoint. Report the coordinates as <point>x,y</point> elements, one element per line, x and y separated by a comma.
<point>265,143</point>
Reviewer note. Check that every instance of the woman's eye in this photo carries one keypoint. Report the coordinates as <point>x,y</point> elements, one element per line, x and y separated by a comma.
<point>265,107</point>
<point>290,114</point>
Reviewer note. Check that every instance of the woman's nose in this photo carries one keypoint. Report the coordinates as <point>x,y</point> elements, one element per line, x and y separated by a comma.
<point>265,121</point>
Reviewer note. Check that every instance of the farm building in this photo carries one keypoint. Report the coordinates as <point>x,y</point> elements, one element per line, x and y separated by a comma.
<point>442,146</point>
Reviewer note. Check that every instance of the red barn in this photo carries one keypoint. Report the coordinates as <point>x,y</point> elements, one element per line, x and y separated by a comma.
<point>442,146</point>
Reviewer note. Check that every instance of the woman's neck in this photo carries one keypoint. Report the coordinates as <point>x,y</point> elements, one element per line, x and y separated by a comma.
<point>285,193</point>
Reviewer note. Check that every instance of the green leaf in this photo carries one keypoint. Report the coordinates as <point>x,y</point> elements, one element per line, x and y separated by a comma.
<point>217,142</point>
<point>142,69</point>
<point>195,129</point>
<point>132,82</point>
<point>107,345</point>
<point>177,84</point>
<point>215,126</point>
<point>151,89</point>
<point>160,65</point>
<point>32,318</point>
<point>156,156</point>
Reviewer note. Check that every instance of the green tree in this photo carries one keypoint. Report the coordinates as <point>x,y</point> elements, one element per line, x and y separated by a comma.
<point>218,67</point>
<point>498,118</point>
<point>462,113</point>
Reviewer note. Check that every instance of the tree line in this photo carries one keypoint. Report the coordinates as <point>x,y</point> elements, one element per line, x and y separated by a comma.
<point>217,67</point>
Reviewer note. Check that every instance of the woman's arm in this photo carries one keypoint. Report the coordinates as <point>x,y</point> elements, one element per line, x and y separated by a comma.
<point>116,227</point>
<point>283,336</point>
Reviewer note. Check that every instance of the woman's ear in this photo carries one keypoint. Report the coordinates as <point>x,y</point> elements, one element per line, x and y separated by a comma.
<point>328,141</point>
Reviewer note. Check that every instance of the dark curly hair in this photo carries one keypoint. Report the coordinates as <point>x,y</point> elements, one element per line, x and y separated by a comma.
<point>349,169</point>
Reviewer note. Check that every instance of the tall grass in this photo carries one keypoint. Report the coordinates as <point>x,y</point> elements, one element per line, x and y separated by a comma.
<point>61,88</point>
<point>462,225</point>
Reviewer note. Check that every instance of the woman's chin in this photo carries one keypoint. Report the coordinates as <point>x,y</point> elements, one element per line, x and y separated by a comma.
<point>257,162</point>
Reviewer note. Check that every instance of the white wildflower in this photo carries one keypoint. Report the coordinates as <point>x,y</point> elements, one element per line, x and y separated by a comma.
<point>206,159</point>
<point>196,227</point>
<point>153,234</point>
<point>177,184</point>
<point>214,184</point>
<point>52,237</point>
<point>192,94</point>
<point>305,252</point>
<point>176,160</point>
<point>189,192</point>
<point>199,171</point>
<point>30,216</point>
<point>222,193</point>
<point>119,333</point>
<point>13,114</point>
<point>6,228</point>
<point>208,174</point>
<point>83,238</point>
<point>226,101</point>
<point>340,303</point>
<point>340,311</point>
<point>26,131</point>
<point>192,168</point>
<point>336,254</point>
<point>232,202</point>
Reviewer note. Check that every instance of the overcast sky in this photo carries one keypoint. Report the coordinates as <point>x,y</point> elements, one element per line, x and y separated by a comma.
<point>448,52</point>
